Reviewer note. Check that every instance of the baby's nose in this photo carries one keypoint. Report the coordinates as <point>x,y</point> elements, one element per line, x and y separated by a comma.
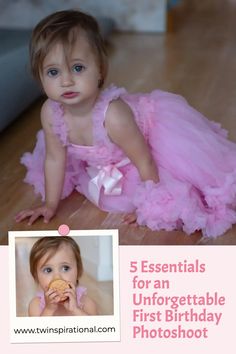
<point>67,79</point>
<point>57,276</point>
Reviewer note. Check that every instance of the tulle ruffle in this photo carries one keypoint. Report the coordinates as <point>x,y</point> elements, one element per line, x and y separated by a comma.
<point>59,126</point>
<point>182,206</point>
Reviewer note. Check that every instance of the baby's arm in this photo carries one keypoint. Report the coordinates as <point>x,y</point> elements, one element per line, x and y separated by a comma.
<point>34,307</point>
<point>54,169</point>
<point>123,131</point>
<point>35,310</point>
<point>90,307</point>
<point>51,304</point>
<point>87,306</point>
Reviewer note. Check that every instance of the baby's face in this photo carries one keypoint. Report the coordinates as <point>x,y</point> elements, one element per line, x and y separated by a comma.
<point>62,265</point>
<point>73,80</point>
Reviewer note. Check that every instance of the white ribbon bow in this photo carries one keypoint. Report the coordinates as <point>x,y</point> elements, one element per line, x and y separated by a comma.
<point>109,177</point>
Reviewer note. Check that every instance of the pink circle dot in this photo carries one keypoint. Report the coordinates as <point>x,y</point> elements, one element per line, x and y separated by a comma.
<point>63,230</point>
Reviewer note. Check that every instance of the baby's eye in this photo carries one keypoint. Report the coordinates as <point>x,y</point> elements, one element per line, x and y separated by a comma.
<point>78,68</point>
<point>47,270</point>
<point>65,268</point>
<point>52,72</point>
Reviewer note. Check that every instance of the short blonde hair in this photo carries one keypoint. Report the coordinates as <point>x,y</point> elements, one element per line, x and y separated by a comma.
<point>64,27</point>
<point>50,245</point>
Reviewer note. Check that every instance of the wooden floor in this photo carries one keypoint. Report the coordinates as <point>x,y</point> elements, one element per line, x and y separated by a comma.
<point>196,59</point>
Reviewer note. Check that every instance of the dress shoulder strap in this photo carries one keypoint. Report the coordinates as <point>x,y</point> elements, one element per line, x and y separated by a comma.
<point>40,296</point>
<point>59,125</point>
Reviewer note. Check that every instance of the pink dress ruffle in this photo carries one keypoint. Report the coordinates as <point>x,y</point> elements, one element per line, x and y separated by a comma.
<point>195,160</point>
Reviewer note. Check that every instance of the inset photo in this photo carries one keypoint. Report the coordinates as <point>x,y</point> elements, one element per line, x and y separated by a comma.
<point>74,278</point>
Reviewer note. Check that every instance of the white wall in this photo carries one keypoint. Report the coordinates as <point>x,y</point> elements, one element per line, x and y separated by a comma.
<point>96,253</point>
<point>129,15</point>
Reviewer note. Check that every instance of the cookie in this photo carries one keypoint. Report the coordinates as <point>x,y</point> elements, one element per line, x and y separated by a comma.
<point>59,285</point>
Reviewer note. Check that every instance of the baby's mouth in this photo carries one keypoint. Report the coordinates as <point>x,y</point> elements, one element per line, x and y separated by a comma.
<point>70,94</point>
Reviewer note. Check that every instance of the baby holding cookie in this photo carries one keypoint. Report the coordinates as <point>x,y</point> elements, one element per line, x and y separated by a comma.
<point>56,266</point>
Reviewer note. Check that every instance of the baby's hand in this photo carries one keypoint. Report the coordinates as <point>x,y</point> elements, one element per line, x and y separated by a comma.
<point>34,213</point>
<point>52,300</point>
<point>130,219</point>
<point>70,303</point>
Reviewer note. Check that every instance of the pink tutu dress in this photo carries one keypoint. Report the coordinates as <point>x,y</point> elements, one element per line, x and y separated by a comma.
<point>196,165</point>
